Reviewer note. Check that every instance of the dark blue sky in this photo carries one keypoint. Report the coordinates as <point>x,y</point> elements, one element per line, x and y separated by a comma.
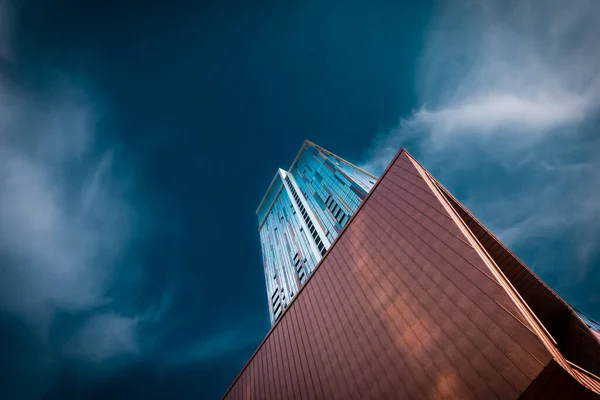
<point>138,139</point>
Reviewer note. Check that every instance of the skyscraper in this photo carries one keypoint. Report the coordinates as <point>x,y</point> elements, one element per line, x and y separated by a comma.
<point>301,214</point>
<point>416,299</point>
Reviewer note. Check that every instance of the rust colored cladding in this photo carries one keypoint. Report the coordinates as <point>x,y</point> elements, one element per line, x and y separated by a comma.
<point>406,304</point>
<point>578,343</point>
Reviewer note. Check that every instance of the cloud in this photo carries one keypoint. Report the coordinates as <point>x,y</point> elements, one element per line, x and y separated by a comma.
<point>509,93</point>
<point>63,220</point>
<point>494,111</point>
<point>520,69</point>
<point>104,337</point>
<point>66,215</point>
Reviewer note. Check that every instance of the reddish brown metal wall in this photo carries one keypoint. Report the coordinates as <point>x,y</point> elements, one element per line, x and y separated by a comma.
<point>576,341</point>
<point>401,307</point>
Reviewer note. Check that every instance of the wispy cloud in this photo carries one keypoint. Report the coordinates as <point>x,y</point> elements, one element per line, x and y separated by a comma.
<point>515,69</point>
<point>107,335</point>
<point>103,337</point>
<point>485,114</point>
<point>63,220</point>
<point>66,215</point>
<point>516,85</point>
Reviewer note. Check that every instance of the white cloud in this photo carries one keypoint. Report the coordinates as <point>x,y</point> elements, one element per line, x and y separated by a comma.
<point>65,220</point>
<point>520,69</point>
<point>103,337</point>
<point>494,111</point>
<point>513,84</point>
<point>63,223</point>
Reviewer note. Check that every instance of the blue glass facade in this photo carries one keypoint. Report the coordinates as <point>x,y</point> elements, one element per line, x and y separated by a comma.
<point>333,188</point>
<point>301,214</point>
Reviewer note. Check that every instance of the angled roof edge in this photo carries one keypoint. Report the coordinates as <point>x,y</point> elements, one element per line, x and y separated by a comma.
<point>308,142</point>
<point>268,190</point>
<point>304,144</point>
<point>584,377</point>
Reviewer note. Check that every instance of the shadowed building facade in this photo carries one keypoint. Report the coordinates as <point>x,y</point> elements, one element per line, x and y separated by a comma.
<point>417,299</point>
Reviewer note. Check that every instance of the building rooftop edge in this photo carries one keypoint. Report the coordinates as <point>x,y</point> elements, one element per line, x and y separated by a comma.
<point>268,190</point>
<point>333,155</point>
<point>304,144</point>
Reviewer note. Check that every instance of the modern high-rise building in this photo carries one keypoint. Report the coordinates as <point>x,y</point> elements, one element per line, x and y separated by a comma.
<point>416,299</point>
<point>303,211</point>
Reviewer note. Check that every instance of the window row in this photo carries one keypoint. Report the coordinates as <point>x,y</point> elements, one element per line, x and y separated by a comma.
<point>306,217</point>
<point>277,308</point>
<point>340,216</point>
<point>298,264</point>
